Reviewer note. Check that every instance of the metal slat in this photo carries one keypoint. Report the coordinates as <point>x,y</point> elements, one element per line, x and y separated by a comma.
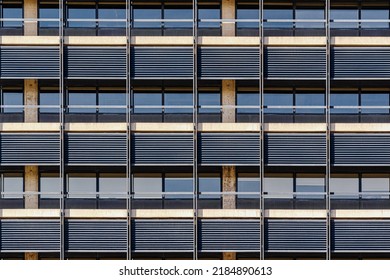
<point>95,62</point>
<point>361,149</point>
<point>29,62</point>
<point>288,63</point>
<point>96,235</point>
<point>295,235</point>
<point>96,148</point>
<point>361,63</point>
<point>229,235</point>
<point>295,149</point>
<point>228,62</point>
<point>162,235</point>
<point>29,235</point>
<point>162,149</point>
<point>229,149</point>
<point>161,62</point>
<point>30,148</point>
<point>361,235</point>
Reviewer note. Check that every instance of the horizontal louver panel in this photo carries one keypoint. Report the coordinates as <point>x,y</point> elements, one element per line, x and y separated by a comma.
<point>162,149</point>
<point>96,62</point>
<point>229,235</point>
<point>30,235</point>
<point>229,148</point>
<point>30,148</point>
<point>29,62</point>
<point>295,149</point>
<point>162,235</point>
<point>96,236</point>
<point>96,148</point>
<point>296,235</point>
<point>361,149</point>
<point>228,63</point>
<point>361,236</point>
<point>161,62</point>
<point>295,63</point>
<point>361,63</point>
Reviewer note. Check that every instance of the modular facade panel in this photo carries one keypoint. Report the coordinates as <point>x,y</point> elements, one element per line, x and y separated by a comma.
<point>295,235</point>
<point>229,62</point>
<point>29,149</point>
<point>162,235</point>
<point>229,235</point>
<point>29,62</point>
<point>18,235</point>
<point>229,148</point>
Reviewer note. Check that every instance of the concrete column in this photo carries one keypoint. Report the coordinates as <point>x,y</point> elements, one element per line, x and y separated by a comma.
<point>31,98</point>
<point>30,8</point>
<point>229,185</point>
<point>31,183</point>
<point>31,256</point>
<point>228,99</point>
<point>229,256</point>
<point>228,12</point>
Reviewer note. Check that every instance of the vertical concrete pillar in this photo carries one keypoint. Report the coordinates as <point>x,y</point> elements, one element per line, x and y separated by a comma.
<point>229,256</point>
<point>31,99</point>
<point>30,8</point>
<point>228,12</point>
<point>31,256</point>
<point>228,101</point>
<point>229,185</point>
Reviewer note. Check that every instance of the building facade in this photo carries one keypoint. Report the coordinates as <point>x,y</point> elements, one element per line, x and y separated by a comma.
<point>220,129</point>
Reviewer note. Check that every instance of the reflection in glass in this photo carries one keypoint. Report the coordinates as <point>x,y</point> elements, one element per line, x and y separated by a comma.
<point>278,99</point>
<point>209,99</point>
<point>147,99</point>
<point>248,99</point>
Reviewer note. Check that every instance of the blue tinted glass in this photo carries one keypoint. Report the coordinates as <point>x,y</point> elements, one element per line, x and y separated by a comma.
<point>209,184</point>
<point>375,14</point>
<point>248,14</point>
<point>180,100</point>
<point>248,185</point>
<point>112,13</point>
<point>310,14</point>
<point>13,98</point>
<point>153,14</point>
<point>209,99</point>
<point>340,99</point>
<point>208,12</point>
<point>344,14</point>
<point>278,14</point>
<point>248,99</point>
<point>148,99</point>
<point>178,185</point>
<point>49,13</point>
<point>112,99</point>
<point>82,99</point>
<point>12,12</point>
<point>374,99</point>
<point>178,13</point>
<point>49,99</point>
<point>309,99</point>
<point>275,99</point>
<point>86,14</point>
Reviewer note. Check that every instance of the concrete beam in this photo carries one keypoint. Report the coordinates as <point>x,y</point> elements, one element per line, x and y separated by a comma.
<point>228,101</point>
<point>295,41</point>
<point>361,41</point>
<point>361,214</point>
<point>228,13</point>
<point>30,10</point>
<point>229,127</point>
<point>228,41</point>
<point>31,183</point>
<point>96,127</point>
<point>295,127</point>
<point>162,127</point>
<point>228,213</point>
<point>295,213</point>
<point>31,99</point>
<point>96,40</point>
<point>29,213</point>
<point>360,127</point>
<point>162,213</point>
<point>29,127</point>
<point>95,213</point>
<point>162,40</point>
<point>30,40</point>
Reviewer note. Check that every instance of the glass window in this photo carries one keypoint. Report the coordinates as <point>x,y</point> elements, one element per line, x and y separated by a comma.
<point>279,187</point>
<point>152,13</point>
<point>112,185</point>
<point>10,12</point>
<point>50,185</point>
<point>375,99</point>
<point>82,185</point>
<point>14,99</point>
<point>49,12</point>
<point>112,99</point>
<point>344,14</point>
<point>248,12</point>
<point>309,185</point>
<point>309,99</point>
<point>271,17</point>
<point>375,186</point>
<point>309,14</point>
<point>148,99</point>
<point>178,183</point>
<point>13,185</point>
<point>112,13</point>
<point>51,98</point>
<point>344,100</point>
<point>147,186</point>
<point>248,99</point>
<point>209,99</point>
<point>87,15</point>
<point>375,14</point>
<point>80,99</point>
<point>345,187</point>
<point>209,12</point>
<point>178,13</point>
<point>182,99</point>
<point>248,183</point>
<point>209,183</point>
<point>278,99</point>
